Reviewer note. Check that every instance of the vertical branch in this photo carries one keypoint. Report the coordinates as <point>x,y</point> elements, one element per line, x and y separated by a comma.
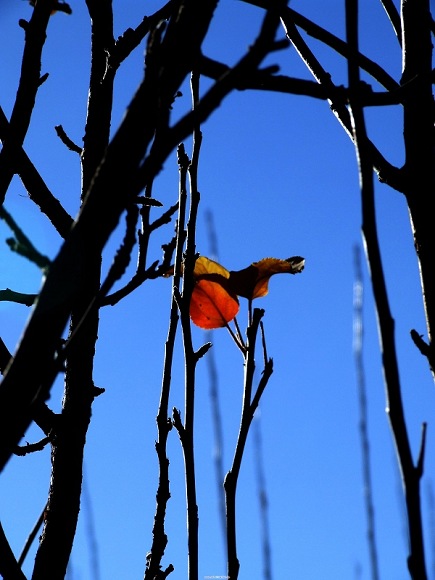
<point>249,406</point>
<point>68,446</point>
<point>362,398</point>
<point>411,474</point>
<point>164,424</point>
<point>186,430</point>
<point>418,132</point>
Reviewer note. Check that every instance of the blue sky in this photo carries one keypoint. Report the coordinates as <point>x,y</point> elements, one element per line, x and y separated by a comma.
<point>279,176</point>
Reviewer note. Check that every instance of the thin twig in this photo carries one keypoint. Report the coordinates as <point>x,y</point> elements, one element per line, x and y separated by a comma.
<point>31,537</point>
<point>36,187</point>
<point>21,244</point>
<point>249,405</point>
<point>164,424</point>
<point>36,30</point>
<point>190,357</point>
<point>32,447</point>
<point>60,131</point>
<point>8,295</point>
<point>9,568</point>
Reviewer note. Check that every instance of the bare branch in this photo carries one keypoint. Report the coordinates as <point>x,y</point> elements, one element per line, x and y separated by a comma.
<point>35,185</point>
<point>66,140</point>
<point>9,567</point>
<point>26,93</point>
<point>410,476</point>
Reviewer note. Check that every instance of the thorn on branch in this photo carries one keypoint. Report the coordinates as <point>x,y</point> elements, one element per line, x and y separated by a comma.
<point>43,79</point>
<point>422,346</point>
<point>148,201</point>
<point>97,391</point>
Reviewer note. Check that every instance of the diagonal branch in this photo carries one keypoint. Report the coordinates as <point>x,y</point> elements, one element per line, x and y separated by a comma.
<point>35,185</point>
<point>26,94</point>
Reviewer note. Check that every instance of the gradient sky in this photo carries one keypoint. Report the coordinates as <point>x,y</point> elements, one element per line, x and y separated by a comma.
<point>278,174</point>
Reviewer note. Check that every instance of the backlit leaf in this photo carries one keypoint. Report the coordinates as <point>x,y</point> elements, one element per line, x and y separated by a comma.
<point>211,305</point>
<point>204,267</point>
<point>253,281</point>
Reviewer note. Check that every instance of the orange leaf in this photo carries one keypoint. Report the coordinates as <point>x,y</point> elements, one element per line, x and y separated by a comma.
<point>211,305</point>
<point>253,281</point>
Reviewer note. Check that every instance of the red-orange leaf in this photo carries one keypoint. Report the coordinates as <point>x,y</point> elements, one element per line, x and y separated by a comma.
<point>211,306</point>
<point>253,281</point>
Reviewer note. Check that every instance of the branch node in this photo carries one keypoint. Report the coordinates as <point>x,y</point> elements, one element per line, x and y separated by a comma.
<point>203,350</point>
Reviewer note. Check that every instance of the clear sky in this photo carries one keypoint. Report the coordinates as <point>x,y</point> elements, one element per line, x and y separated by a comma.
<point>279,176</point>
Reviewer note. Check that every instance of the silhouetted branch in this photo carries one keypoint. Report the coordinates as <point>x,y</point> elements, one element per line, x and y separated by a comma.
<point>114,185</point>
<point>9,568</point>
<point>8,295</point>
<point>66,140</point>
<point>394,16</point>
<point>164,423</point>
<point>418,132</point>
<point>21,243</point>
<point>122,257</point>
<point>26,92</point>
<point>35,185</point>
<point>32,447</point>
<point>31,538</point>
<point>132,38</point>
<point>68,445</point>
<point>386,172</point>
<point>334,42</point>
<point>212,99</point>
<point>186,429</point>
<point>250,404</point>
<point>410,474</point>
<point>423,347</point>
<point>142,272</point>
